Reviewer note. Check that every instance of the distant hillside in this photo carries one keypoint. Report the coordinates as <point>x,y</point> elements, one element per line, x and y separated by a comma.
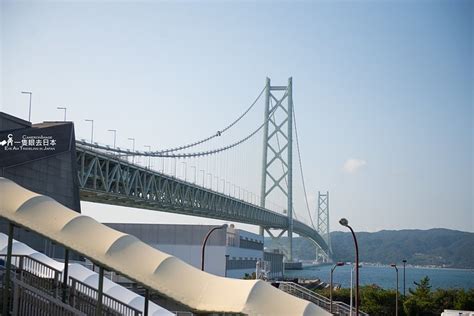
<point>439,247</point>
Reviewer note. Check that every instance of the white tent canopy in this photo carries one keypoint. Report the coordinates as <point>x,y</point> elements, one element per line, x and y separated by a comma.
<point>167,275</point>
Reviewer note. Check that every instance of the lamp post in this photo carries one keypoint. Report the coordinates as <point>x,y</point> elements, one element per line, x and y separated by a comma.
<point>210,180</point>
<point>393,265</point>
<point>185,167</point>
<point>174,159</point>
<point>339,264</point>
<point>29,111</point>
<point>149,157</point>
<point>205,241</point>
<point>352,270</point>
<point>63,108</point>
<point>92,130</point>
<point>115,135</point>
<point>203,176</point>
<point>133,148</point>
<point>345,222</point>
<point>404,264</point>
<point>194,168</point>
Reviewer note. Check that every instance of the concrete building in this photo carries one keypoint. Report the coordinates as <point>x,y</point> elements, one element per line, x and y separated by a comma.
<point>42,158</point>
<point>232,252</point>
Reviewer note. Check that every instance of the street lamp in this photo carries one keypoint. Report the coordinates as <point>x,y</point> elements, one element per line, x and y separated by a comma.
<point>203,176</point>
<point>63,108</point>
<point>210,180</point>
<point>133,148</point>
<point>404,264</point>
<point>339,264</point>
<point>149,157</point>
<point>185,167</point>
<point>115,135</point>
<point>29,111</point>
<point>194,167</point>
<point>352,286</point>
<point>92,130</point>
<point>345,222</point>
<point>175,162</point>
<point>393,265</point>
<point>205,241</point>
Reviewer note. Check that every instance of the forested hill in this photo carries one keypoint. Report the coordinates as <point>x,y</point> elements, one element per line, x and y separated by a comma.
<point>433,247</point>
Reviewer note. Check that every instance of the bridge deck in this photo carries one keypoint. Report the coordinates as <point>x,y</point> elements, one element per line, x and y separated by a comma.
<point>106,178</point>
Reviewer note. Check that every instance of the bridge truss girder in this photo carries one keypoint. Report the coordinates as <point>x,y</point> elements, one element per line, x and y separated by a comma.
<point>107,179</point>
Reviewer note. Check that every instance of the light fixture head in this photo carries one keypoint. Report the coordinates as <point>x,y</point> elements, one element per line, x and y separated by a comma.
<point>343,222</point>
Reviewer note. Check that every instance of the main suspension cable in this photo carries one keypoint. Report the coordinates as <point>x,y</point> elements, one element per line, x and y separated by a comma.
<point>218,133</point>
<point>183,155</point>
<point>301,169</point>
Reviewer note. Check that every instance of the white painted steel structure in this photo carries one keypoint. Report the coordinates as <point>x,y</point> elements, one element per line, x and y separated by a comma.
<point>82,274</point>
<point>125,254</point>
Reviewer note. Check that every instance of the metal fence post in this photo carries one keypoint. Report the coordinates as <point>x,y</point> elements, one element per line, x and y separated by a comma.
<point>6,289</point>
<point>100,293</point>
<point>65,274</point>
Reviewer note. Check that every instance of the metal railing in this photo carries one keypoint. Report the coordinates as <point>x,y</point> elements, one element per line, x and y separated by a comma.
<point>84,298</point>
<point>28,300</point>
<point>338,308</point>
<point>36,274</point>
<point>47,284</point>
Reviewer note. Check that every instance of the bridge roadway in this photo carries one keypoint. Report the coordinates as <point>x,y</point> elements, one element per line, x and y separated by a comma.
<point>106,178</point>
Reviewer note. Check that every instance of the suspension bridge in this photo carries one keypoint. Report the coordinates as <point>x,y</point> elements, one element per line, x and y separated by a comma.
<point>242,172</point>
<point>228,175</point>
<point>209,177</point>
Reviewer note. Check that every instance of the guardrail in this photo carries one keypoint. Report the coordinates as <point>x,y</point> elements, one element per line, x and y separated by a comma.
<point>84,297</point>
<point>34,274</point>
<point>338,308</point>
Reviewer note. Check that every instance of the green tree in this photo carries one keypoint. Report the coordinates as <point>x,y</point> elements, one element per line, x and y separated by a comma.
<point>464,300</point>
<point>444,299</point>
<point>377,301</point>
<point>420,302</point>
<point>249,276</point>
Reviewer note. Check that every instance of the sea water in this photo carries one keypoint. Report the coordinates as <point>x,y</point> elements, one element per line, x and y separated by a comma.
<point>385,277</point>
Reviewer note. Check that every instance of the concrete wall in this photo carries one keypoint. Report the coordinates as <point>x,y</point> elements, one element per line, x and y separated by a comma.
<point>214,256</point>
<point>171,234</point>
<point>46,169</point>
<point>185,242</point>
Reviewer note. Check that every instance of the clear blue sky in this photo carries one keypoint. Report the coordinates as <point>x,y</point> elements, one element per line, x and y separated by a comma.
<point>382,88</point>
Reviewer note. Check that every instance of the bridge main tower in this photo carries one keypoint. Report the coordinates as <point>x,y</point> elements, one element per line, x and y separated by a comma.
<point>278,149</point>
<point>323,227</point>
